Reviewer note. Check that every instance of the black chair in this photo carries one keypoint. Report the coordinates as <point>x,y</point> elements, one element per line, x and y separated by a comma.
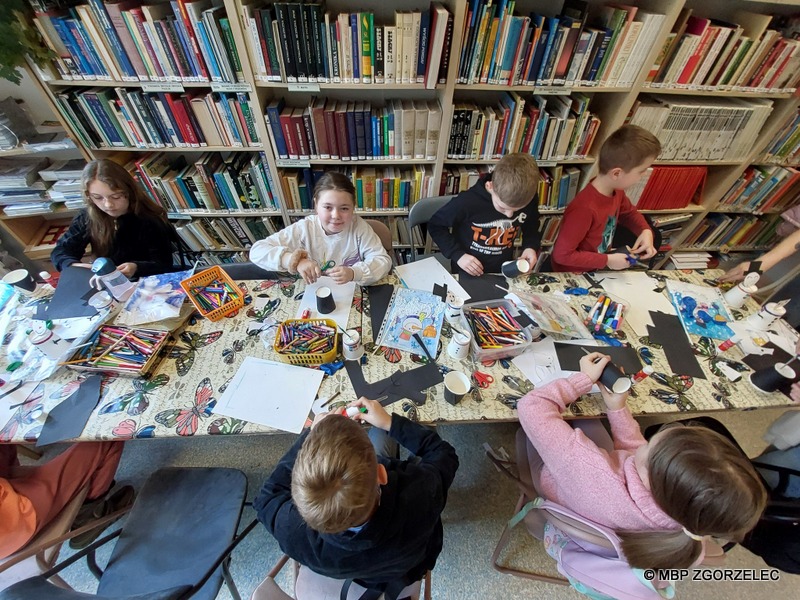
<point>175,544</point>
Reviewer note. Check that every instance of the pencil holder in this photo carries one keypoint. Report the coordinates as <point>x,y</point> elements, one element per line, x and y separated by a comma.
<point>213,293</point>
<point>306,341</point>
<point>495,331</point>
<point>120,351</point>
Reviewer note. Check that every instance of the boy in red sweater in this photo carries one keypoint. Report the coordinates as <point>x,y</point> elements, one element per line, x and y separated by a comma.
<point>593,215</point>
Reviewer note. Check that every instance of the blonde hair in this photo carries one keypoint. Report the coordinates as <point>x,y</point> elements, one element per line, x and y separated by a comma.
<point>335,476</point>
<point>702,481</point>
<point>627,148</point>
<point>115,176</point>
<point>515,179</point>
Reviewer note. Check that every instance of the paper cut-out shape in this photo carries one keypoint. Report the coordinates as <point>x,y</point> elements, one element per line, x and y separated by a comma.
<point>67,420</point>
<point>401,384</point>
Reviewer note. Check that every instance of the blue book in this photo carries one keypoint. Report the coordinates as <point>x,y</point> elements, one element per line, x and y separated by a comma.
<point>208,52</point>
<point>229,116</point>
<point>501,16</point>
<point>376,137</point>
<point>367,117</point>
<point>537,21</point>
<point>188,197</point>
<point>508,65</point>
<point>87,47</point>
<point>224,191</point>
<point>356,44</point>
<point>324,41</point>
<point>352,137</point>
<point>424,41</point>
<point>552,28</point>
<point>99,10</point>
<point>65,33</point>
<point>601,52</point>
<point>274,109</point>
<point>96,108</point>
<point>148,101</point>
<point>173,120</point>
<point>186,42</point>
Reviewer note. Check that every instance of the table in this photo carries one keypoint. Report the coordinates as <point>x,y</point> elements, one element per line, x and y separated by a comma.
<point>178,398</point>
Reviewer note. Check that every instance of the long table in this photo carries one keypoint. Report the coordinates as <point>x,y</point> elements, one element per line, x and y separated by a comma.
<point>178,398</point>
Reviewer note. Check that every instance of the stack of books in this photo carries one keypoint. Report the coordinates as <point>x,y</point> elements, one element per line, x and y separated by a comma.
<point>21,190</point>
<point>664,188</point>
<point>739,232</point>
<point>690,260</point>
<point>763,189</point>
<point>785,146</point>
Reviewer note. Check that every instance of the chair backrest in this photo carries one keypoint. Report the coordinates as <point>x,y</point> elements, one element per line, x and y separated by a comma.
<point>380,228</point>
<point>420,213</point>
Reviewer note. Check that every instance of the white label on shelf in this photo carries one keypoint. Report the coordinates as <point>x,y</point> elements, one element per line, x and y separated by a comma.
<point>162,86</point>
<point>293,163</point>
<point>303,87</point>
<point>230,87</point>
<point>552,91</point>
<point>545,163</point>
<point>177,215</point>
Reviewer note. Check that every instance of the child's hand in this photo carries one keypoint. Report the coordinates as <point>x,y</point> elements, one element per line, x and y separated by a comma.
<point>618,261</point>
<point>470,265</point>
<point>376,415</point>
<point>643,248</point>
<point>529,254</point>
<point>593,364</point>
<point>613,401</point>
<point>128,269</point>
<point>342,274</point>
<point>795,392</point>
<point>735,274</point>
<point>309,270</point>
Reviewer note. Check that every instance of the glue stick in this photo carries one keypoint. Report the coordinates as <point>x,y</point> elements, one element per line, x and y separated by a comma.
<point>643,374</point>
<point>729,343</point>
<point>352,411</point>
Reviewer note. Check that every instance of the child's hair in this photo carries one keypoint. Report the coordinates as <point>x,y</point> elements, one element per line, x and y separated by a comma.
<point>333,180</point>
<point>115,176</point>
<point>515,179</point>
<point>334,479</point>
<point>627,148</point>
<point>701,480</point>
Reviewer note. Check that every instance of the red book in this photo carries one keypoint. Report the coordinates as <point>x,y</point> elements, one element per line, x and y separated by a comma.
<point>341,130</point>
<point>300,132</point>
<point>696,26</point>
<point>317,108</point>
<point>292,145</point>
<point>795,48</point>
<point>766,65</point>
<point>195,46</point>
<point>178,111</point>
<point>330,128</point>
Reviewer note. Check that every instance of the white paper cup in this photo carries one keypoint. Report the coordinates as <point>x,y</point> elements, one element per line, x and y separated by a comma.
<point>458,347</point>
<point>21,279</point>
<point>736,296</point>
<point>456,385</point>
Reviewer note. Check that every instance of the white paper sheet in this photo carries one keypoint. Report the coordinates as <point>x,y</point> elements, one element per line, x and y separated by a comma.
<point>423,274</point>
<point>342,295</point>
<point>284,404</point>
<point>636,291</point>
<point>540,365</point>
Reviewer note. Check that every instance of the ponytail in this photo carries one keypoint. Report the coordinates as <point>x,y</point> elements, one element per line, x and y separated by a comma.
<point>659,549</point>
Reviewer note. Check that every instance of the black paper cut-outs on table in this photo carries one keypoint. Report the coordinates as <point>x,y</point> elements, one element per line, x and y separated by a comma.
<point>379,298</point>
<point>668,331</point>
<point>758,362</point>
<point>569,356</point>
<point>71,298</point>
<point>401,384</point>
<point>441,291</point>
<point>483,288</point>
<point>67,420</point>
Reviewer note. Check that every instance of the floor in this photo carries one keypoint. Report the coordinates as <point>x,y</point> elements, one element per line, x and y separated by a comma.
<point>480,502</point>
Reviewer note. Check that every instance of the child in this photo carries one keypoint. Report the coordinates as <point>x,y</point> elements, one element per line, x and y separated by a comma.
<point>120,222</point>
<point>662,497</point>
<point>486,219</point>
<point>334,241</point>
<point>344,513</point>
<point>593,215</point>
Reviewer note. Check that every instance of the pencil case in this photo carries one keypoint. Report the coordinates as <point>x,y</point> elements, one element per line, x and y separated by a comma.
<point>295,343</point>
<point>510,344</point>
<point>121,351</point>
<point>207,290</point>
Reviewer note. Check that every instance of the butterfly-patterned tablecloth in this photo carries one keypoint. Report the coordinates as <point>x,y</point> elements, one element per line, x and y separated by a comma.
<point>179,398</point>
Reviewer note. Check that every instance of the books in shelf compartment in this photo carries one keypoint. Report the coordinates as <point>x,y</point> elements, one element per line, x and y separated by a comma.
<point>708,129</point>
<point>784,147</point>
<point>667,188</point>
<point>226,233</point>
<point>548,228</point>
<point>725,231</point>
<point>548,127</point>
<point>763,188</point>
<point>460,178</point>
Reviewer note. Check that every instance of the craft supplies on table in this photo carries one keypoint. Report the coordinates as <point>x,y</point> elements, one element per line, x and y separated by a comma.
<point>606,315</point>
<point>213,293</point>
<point>306,341</point>
<point>120,350</point>
<point>412,312</point>
<point>496,333</point>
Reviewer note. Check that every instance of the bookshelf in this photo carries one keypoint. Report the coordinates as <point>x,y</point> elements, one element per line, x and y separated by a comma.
<point>626,85</point>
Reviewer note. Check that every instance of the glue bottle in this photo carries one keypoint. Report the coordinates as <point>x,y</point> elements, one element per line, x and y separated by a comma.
<point>106,274</point>
<point>729,343</point>
<point>643,374</point>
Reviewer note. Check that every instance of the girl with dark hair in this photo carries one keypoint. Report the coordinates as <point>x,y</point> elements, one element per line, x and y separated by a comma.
<point>120,222</point>
<point>664,497</point>
<point>334,241</point>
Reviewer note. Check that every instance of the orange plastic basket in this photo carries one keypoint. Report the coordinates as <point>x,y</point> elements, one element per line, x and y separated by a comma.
<point>206,278</point>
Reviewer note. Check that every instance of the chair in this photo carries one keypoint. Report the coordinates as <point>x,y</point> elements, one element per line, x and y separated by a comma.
<point>176,542</point>
<point>309,585</point>
<point>382,230</point>
<point>420,213</point>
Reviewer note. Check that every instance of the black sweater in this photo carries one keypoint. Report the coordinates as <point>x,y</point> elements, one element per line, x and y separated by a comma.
<point>402,539</point>
<point>146,242</point>
<point>479,230</point>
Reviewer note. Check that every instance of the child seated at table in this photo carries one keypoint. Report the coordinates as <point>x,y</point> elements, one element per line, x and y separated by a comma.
<point>345,513</point>
<point>476,229</point>
<point>591,219</point>
<point>120,222</point>
<point>664,497</point>
<point>334,241</point>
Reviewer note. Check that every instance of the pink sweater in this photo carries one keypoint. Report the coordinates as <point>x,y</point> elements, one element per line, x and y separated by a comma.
<point>604,487</point>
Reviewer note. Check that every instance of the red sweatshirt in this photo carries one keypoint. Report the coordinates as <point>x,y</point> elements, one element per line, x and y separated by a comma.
<point>588,227</point>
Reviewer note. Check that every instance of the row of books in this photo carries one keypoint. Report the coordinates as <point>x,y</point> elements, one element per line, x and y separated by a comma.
<point>707,53</point>
<point>457,179</point>
<point>744,231</point>
<point>127,40</point>
<point>355,130</point>
<point>382,188</point>
<point>668,188</point>
<point>558,186</point>
<point>216,258</point>
<point>547,127</point>
<point>21,189</point>
<point>702,129</point>
<point>784,147</point>
<point>294,42</point>
<point>548,228</point>
<point>239,182</point>
<point>128,118</point>
<point>606,46</point>
<point>226,233</point>
<point>763,188</point>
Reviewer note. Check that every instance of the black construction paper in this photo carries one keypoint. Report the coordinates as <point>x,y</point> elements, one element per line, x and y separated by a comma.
<point>379,298</point>
<point>440,290</point>
<point>71,296</point>
<point>668,331</point>
<point>765,361</point>
<point>67,420</point>
<point>569,356</point>
<point>401,384</point>
<point>482,289</point>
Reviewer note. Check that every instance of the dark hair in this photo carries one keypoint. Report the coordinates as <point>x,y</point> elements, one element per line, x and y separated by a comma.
<point>115,176</point>
<point>333,180</point>
<point>705,483</point>
<point>627,148</point>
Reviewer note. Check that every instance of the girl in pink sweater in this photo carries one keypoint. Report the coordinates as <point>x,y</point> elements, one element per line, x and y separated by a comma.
<point>662,497</point>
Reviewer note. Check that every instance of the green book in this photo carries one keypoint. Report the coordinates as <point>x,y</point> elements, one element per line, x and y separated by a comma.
<point>230,47</point>
<point>367,51</point>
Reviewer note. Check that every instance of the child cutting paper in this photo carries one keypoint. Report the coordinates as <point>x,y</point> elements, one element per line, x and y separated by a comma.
<point>334,241</point>
<point>664,497</point>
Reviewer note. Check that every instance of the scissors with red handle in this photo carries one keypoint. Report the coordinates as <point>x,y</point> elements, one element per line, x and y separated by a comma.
<point>482,380</point>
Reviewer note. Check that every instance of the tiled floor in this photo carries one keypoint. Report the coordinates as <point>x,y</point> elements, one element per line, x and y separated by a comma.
<point>479,503</point>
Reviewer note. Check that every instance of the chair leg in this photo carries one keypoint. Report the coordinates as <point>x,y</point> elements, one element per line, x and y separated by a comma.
<point>428,586</point>
<point>29,452</point>
<point>226,575</point>
<point>91,563</point>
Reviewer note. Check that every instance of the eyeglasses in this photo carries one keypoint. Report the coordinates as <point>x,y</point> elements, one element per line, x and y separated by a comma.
<point>112,198</point>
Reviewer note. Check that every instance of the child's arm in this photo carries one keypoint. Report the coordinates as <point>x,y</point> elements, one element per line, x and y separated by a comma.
<point>574,229</point>
<point>439,225</point>
<point>72,245</point>
<point>633,220</point>
<point>274,253</point>
<point>375,262</point>
<point>531,236</point>
<point>624,429</point>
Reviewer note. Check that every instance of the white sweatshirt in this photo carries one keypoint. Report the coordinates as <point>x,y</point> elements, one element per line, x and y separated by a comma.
<point>357,247</point>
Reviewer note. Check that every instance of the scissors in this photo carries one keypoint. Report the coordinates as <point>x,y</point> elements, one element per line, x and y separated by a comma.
<point>482,380</point>
<point>328,265</point>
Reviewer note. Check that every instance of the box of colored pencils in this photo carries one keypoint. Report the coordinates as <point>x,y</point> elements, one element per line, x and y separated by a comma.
<point>306,341</point>
<point>496,333</point>
<point>605,315</point>
<point>121,351</point>
<point>213,293</point>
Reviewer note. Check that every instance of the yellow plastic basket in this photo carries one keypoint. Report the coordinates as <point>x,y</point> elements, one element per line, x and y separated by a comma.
<point>208,277</point>
<point>308,358</point>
